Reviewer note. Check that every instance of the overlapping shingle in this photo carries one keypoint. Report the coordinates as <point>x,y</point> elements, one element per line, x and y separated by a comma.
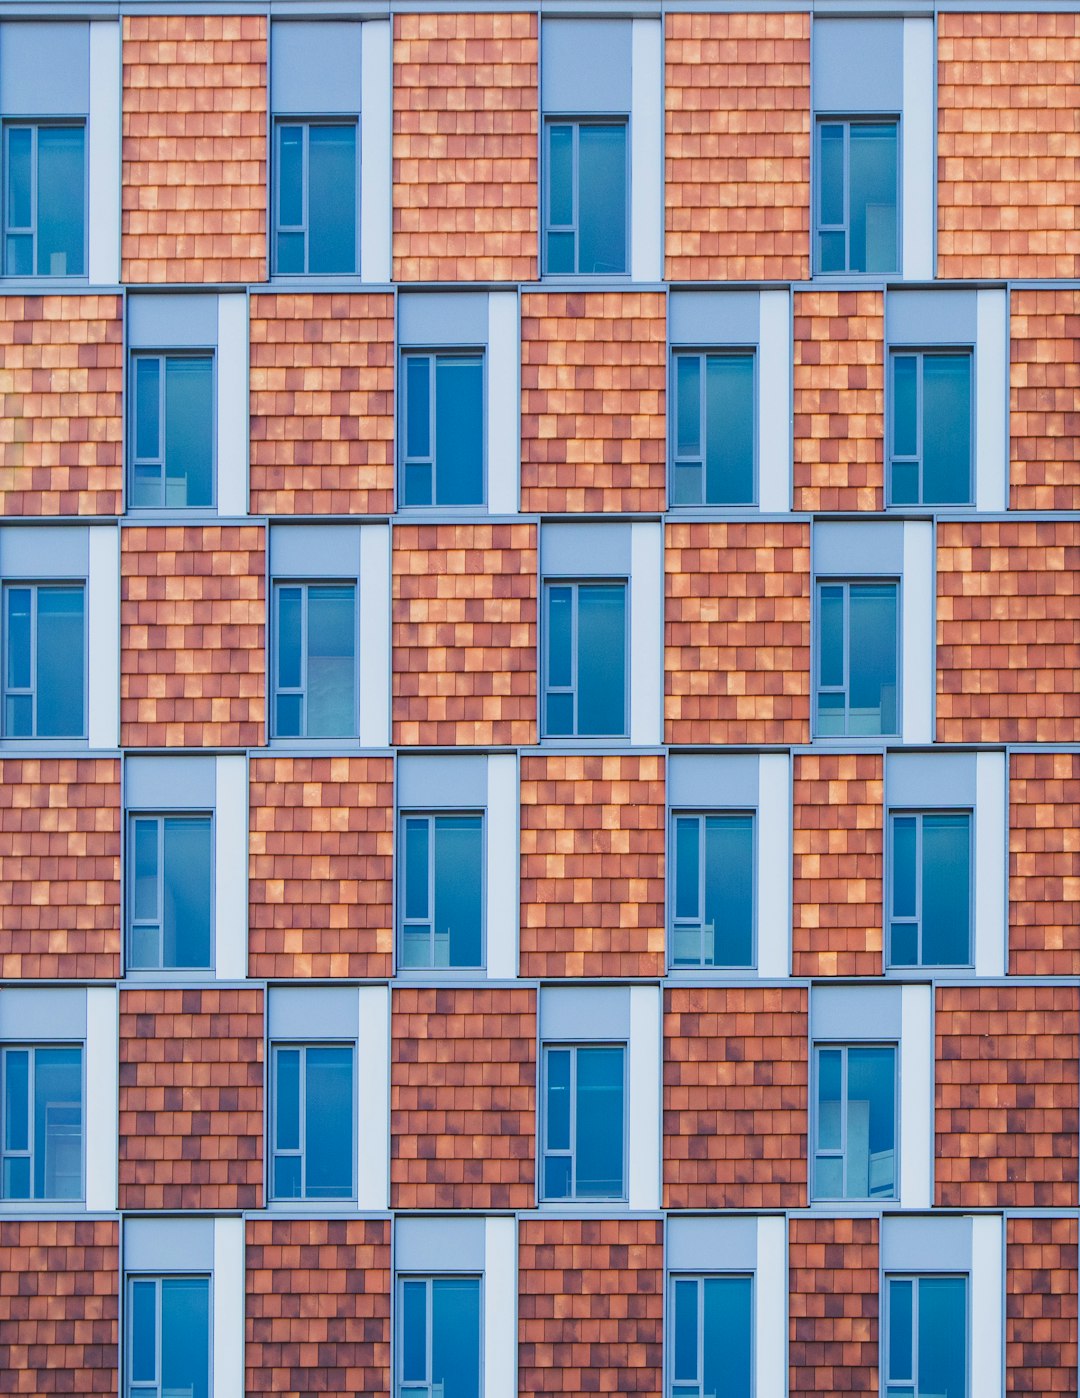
<point>1044,863</point>
<point>834,1303</point>
<point>1040,1305</point>
<point>1044,398</point>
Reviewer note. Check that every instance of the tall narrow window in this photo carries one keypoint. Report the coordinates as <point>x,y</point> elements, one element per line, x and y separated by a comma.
<point>711,1337</point>
<point>317,209</point>
<point>587,182</point>
<point>44,644</point>
<point>44,200</point>
<point>172,433</point>
<point>926,1337</point>
<point>858,179</point>
<point>315,672</point>
<point>930,889</point>
<point>930,460</point>
<point>442,891</point>
<point>444,429</point>
<point>171,892</point>
<point>713,923</point>
<point>41,1122</point>
<point>584,1122</point>
<point>313,1116</point>
<point>168,1337</point>
<point>438,1337</point>
<point>585,692</point>
<point>858,659</point>
<point>713,460</point>
<point>855,1156</point>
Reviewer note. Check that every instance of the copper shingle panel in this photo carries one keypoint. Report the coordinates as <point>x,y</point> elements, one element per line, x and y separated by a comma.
<point>322,404</point>
<point>319,888</point>
<point>737,146</point>
<point>466,99</point>
<point>463,1098</point>
<point>1044,398</point>
<point>737,632</point>
<point>735,1097</point>
<point>1008,631</point>
<point>1007,1099</point>
<point>1044,863</point>
<point>191,1098</point>
<point>833,1301</point>
<point>592,865</point>
<point>1040,1305</point>
<point>593,381</point>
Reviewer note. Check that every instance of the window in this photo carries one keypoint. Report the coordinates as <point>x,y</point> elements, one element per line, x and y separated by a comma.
<point>586,660</point>
<point>44,660</point>
<point>172,432</point>
<point>712,1337</point>
<point>856,206</point>
<point>926,1337</point>
<point>168,1337</point>
<point>41,1114</point>
<point>855,1154</point>
<point>171,882</point>
<point>714,429</point>
<point>44,200</point>
<point>584,1122</point>
<point>586,226</point>
<point>313,1121</point>
<point>858,660</point>
<point>930,912</point>
<point>930,458</point>
<point>439,1337</point>
<point>315,678</point>
<point>317,192</point>
<point>442,891</point>
<point>443,429</point>
<point>713,922</point>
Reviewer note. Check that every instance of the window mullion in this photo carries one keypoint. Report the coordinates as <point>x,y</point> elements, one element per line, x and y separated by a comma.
<point>699,1377</point>
<point>429,1325</point>
<point>846,650</point>
<point>162,464</point>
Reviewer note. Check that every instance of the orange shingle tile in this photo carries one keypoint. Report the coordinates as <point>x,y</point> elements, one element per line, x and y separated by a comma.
<point>833,1300</point>
<point>1044,399</point>
<point>1044,863</point>
<point>1040,1305</point>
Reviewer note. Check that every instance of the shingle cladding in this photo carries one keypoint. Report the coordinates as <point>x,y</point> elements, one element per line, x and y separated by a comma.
<point>1044,863</point>
<point>1044,398</point>
<point>834,1305</point>
<point>1041,1305</point>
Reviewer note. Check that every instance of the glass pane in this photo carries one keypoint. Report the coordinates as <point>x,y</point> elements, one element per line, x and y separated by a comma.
<point>19,601</point>
<point>145,948</point>
<point>416,867</point>
<point>331,662</point>
<point>414,1331</point>
<point>871,1123</point>
<point>58,1128</point>
<point>829,1177</point>
<point>686,483</point>
<point>287,1101</point>
<point>601,658</point>
<point>288,1183</point>
<point>560,633</point>
<point>418,411</point>
<point>19,257</point>
<point>684,1364</point>
<point>602,199</point>
<point>61,201</point>
<point>904,944</point>
<point>16,1099</point>
<point>729,890</point>
<point>829,1066</point>
<point>900,1330</point>
<point>290,611</point>
<point>560,714</point>
<point>19,182</point>
<point>185,1337</point>
<point>873,698</point>
<point>290,253</point>
<point>147,411</point>
<point>557,1106</point>
<point>560,252</point>
<point>830,717</point>
<point>905,406</point>
<point>831,640</point>
<point>459,847</point>
<point>61,664</point>
<point>946,429</point>
<point>291,183</point>
<point>831,182</point>
<point>455,1336</point>
<point>557,1177</point>
<point>728,1337</point>
<point>288,715</point>
<point>332,199</point>
<point>946,890</point>
<point>942,1312</point>
<point>143,1332</point>
<point>904,484</point>
<point>687,866</point>
<point>873,198</point>
<point>729,418</point>
<point>904,840</point>
<point>329,1123</point>
<point>598,1149</point>
<point>417,484</point>
<point>188,891</point>
<point>459,431</point>
<point>688,405</point>
<point>831,252</point>
<point>416,947</point>
<point>189,432</point>
<point>561,181</point>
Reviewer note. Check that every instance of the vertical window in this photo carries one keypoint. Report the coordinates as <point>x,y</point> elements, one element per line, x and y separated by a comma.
<point>172,432</point>
<point>171,892</point>
<point>930,456</point>
<point>316,198</point>
<point>168,1337</point>
<point>855,1155</point>
<point>930,892</point>
<point>712,1337</point>
<point>714,429</point>
<point>584,1122</point>
<point>44,200</point>
<point>438,1337</point>
<point>44,660</point>
<point>586,225</point>
<point>443,429</point>
<point>41,1122</point>
<point>315,674</point>
<point>313,1121</point>
<point>586,660</point>
<point>713,923</point>
<point>857,170</point>
<point>442,893</point>
<point>858,659</point>
<point>926,1337</point>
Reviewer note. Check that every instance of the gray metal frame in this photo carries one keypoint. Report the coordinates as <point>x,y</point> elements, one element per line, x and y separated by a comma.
<point>886,1347</point>
<point>845,688</point>
<point>6,1152</point>
<point>431,816</point>
<point>428,1389</point>
<point>574,584</point>
<point>35,124</point>
<point>674,459</point>
<point>306,123</point>
<point>276,1047</point>
<point>920,356</point>
<point>917,920</point>
<point>6,689</point>
<point>669,1357</point>
<point>303,585</point>
<point>159,818</point>
<point>434,355</point>
<point>131,1388</point>
<point>841,1152</point>
<point>700,816</point>
<point>573,1049</point>
<point>576,123</point>
<point>847,122</point>
<point>164,356</point>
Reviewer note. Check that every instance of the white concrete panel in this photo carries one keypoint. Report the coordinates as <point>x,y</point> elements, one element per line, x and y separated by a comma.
<point>376,189</point>
<point>646,633</point>
<point>102,1088</point>
<point>103,153</point>
<point>992,400</point>
<point>770,1306</point>
<point>646,152</point>
<point>228,1302</point>
<point>774,865</point>
<point>374,635</point>
<point>916,1096</point>
<point>233,437</point>
<point>644,1093</point>
<point>987,1305</point>
<point>775,428</point>
<point>504,403</point>
<point>503,907</point>
<point>373,1107</point>
<point>103,637</point>
<point>917,674</point>
<point>231,868</point>
<point>991,864</point>
<point>500,1307</point>
<point>917,151</point>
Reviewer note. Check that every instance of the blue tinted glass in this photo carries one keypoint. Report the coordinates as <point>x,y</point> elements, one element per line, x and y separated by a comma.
<point>943,1336</point>
<point>905,407</point>
<point>188,891</point>
<point>561,182</point>
<point>288,1179</point>
<point>291,183</point>
<point>144,902</point>
<point>684,1364</point>
<point>560,636</point>
<point>459,431</point>
<point>946,910</point>
<point>871,1123</point>
<point>416,867</point>
<point>904,484</point>
<point>686,483</point>
<point>143,1332</point>
<point>329,1123</point>
<point>58,1123</point>
<point>19,182</point>
<point>831,641</point>
<point>946,429</point>
<point>904,944</point>
<point>287,1103</point>
<point>729,417</point>
<point>831,251</point>
<point>414,1331</point>
<point>185,1336</point>
<point>290,612</point>
<point>688,405</point>
<point>557,1177</point>
<point>418,412</point>
<point>687,867</point>
<point>332,199</point>
<point>729,890</point>
<point>904,841</point>
<point>872,698</point>
<point>728,1336</point>
<point>459,847</point>
<point>290,253</point>
<point>831,182</point>
<point>900,1330</point>
<point>602,199</point>
<point>872,163</point>
<point>288,712</point>
<point>598,1153</point>
<point>61,201</point>
<point>601,660</point>
<point>331,662</point>
<point>829,1067</point>
<point>560,252</point>
<point>16,1099</point>
<point>558,1099</point>
<point>455,1336</point>
<point>189,432</point>
<point>19,600</point>
<point>147,414</point>
<point>61,662</point>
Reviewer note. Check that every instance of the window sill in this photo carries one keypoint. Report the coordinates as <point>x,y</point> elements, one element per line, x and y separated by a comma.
<point>20,1208</point>
<point>439,975</point>
<point>44,745</point>
<point>581,1206</point>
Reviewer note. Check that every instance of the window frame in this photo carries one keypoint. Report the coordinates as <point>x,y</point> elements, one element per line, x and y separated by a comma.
<point>848,120</point>
<point>822,580</point>
<point>131,1389</point>
<point>573,1199</point>
<point>280,120</point>
<point>576,583</point>
<point>305,583</point>
<point>700,1277</point>
<point>163,356</point>
<point>304,1199</point>
<point>35,585</point>
<point>920,353</point>
<point>432,814</point>
<point>675,814</point>
<point>819,1046</point>
<point>401,1389</point>
<point>703,353</point>
<point>434,354</point>
<point>577,121</point>
<point>160,816</point>
<point>916,1278</point>
<point>34,124</point>
<point>890,917</point>
<point>31,1047</point>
